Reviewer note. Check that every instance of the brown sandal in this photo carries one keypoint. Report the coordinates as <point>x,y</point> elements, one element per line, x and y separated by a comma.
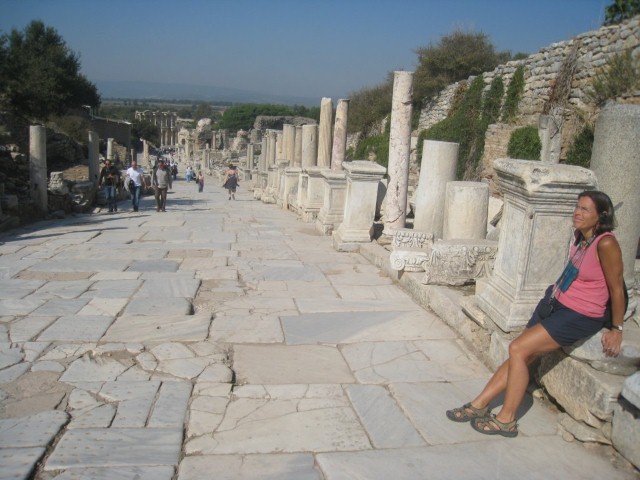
<point>490,425</point>
<point>466,413</point>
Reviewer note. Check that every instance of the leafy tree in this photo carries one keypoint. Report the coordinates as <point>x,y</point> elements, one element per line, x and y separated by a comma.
<point>514,93</point>
<point>621,10</point>
<point>369,106</point>
<point>41,75</point>
<point>524,144</point>
<point>579,152</point>
<point>455,57</point>
<point>147,131</point>
<point>244,116</point>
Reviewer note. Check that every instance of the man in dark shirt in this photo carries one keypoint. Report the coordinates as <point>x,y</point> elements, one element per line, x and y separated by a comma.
<point>110,179</point>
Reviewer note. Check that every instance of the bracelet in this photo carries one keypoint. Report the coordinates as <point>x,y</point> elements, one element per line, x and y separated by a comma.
<point>617,327</point>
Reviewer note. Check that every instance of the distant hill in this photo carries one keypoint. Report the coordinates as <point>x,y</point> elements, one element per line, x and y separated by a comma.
<point>183,91</point>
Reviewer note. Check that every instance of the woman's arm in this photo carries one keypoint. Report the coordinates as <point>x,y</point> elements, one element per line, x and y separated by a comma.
<point>610,257</point>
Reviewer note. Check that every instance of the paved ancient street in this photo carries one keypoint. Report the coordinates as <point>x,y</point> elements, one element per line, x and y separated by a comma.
<point>228,340</point>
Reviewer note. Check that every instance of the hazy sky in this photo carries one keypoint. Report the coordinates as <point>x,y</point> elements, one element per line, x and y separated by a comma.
<point>309,48</point>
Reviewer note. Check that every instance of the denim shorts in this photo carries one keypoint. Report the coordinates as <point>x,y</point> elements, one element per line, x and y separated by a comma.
<point>564,325</point>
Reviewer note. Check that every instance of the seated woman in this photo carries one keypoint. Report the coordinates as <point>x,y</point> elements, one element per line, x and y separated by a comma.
<point>573,309</point>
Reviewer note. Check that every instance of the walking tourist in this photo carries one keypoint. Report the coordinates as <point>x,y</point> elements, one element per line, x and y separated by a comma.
<point>161,181</point>
<point>110,180</point>
<point>231,181</point>
<point>574,308</point>
<point>200,181</point>
<point>136,183</point>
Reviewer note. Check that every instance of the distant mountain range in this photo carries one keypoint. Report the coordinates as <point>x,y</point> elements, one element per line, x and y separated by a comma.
<point>183,91</point>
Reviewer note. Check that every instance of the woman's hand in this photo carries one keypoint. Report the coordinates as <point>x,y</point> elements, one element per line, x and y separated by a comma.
<point>611,343</point>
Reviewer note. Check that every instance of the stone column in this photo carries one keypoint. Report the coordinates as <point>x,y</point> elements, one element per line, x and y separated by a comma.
<point>289,141</point>
<point>297,149</point>
<point>439,162</point>
<point>38,166</point>
<point>360,205</point>
<point>395,209</point>
<point>271,156</point>
<point>615,162</point>
<point>250,157</point>
<point>324,138</point>
<point>94,157</point>
<point>110,149</point>
<point>466,208</point>
<point>309,145</point>
<point>134,156</point>
<point>535,236</point>
<point>550,132</point>
<point>340,135</point>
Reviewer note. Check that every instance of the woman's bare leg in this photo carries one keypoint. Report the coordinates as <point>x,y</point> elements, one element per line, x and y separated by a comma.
<point>522,351</point>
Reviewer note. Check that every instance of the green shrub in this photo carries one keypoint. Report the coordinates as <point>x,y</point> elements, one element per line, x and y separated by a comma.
<point>524,144</point>
<point>579,152</point>
<point>621,75</point>
<point>514,93</point>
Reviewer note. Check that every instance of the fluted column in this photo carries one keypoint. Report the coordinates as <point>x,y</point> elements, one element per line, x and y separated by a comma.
<point>38,166</point>
<point>309,145</point>
<point>297,150</point>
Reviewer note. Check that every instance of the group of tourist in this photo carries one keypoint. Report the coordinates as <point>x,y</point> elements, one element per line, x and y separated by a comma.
<point>161,181</point>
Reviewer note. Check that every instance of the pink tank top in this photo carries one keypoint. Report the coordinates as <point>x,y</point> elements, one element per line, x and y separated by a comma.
<point>588,294</point>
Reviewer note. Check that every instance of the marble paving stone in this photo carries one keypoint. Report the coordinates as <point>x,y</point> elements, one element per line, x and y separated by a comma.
<point>321,305</point>
<point>169,287</point>
<point>159,328</point>
<point>116,447</point>
<point>32,431</point>
<point>87,328</point>
<point>159,306</point>
<point>9,355</point>
<point>292,272</point>
<point>27,328</point>
<point>67,351</point>
<point>252,328</point>
<point>171,351</point>
<point>248,467</point>
<point>212,389</point>
<point>166,235</point>
<point>101,369</point>
<point>218,373</point>
<point>19,463</point>
<point>14,372</point>
<point>385,362</point>
<point>270,426</point>
<point>170,407</point>
<point>18,307</point>
<point>61,307</point>
<point>100,416</point>
<point>118,276</point>
<point>200,263</point>
<point>47,366</point>
<point>349,327</point>
<point>104,306</point>
<point>135,400</point>
<point>426,403</point>
<point>70,289</point>
<point>119,473</point>
<point>539,457</point>
<point>361,279</point>
<point>115,288</point>
<point>186,368</point>
<point>277,364</point>
<point>373,403</point>
<point>81,265</point>
<point>263,304</point>
<point>16,288</point>
<point>219,273</point>
<point>156,266</point>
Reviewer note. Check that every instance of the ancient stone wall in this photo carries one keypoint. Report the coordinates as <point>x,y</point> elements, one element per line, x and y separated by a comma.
<point>583,57</point>
<point>264,122</point>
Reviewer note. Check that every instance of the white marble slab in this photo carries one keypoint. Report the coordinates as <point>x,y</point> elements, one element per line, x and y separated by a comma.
<point>32,431</point>
<point>142,472</point>
<point>277,364</point>
<point>251,328</point>
<point>170,408</point>
<point>169,287</point>
<point>319,305</point>
<point>77,328</point>
<point>155,266</point>
<point>27,328</point>
<point>18,463</point>
<point>116,447</point>
<point>85,369</point>
<point>159,328</point>
<point>238,467</point>
<point>159,306</point>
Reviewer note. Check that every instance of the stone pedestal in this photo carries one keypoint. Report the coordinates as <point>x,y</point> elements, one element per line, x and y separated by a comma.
<point>466,208</point>
<point>94,157</point>
<point>536,233</point>
<point>312,200</point>
<point>439,162</point>
<point>360,205</point>
<point>38,166</point>
<point>332,211</point>
<point>615,162</point>
<point>290,197</point>
<point>395,207</point>
<point>269,192</point>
